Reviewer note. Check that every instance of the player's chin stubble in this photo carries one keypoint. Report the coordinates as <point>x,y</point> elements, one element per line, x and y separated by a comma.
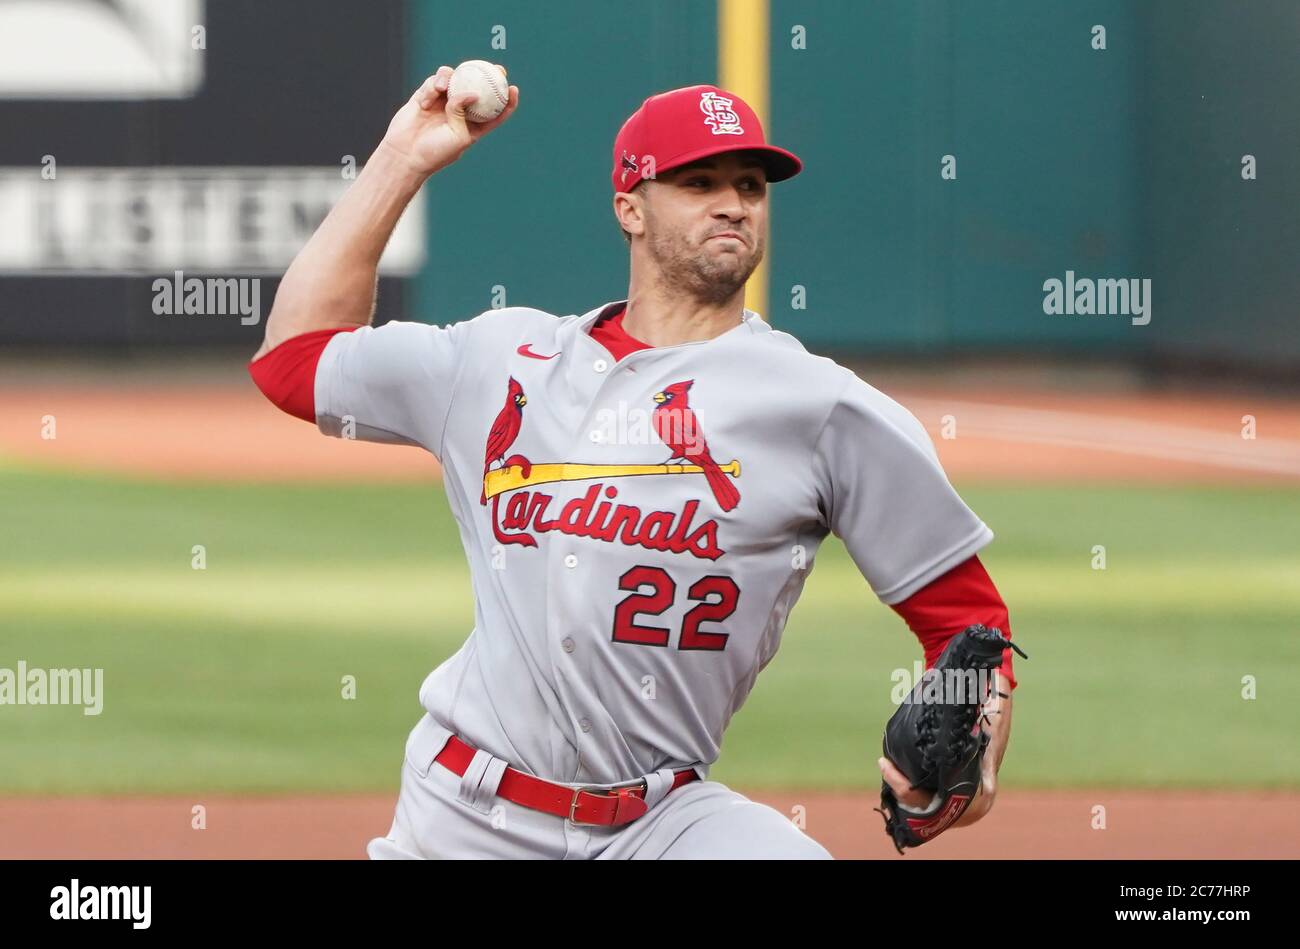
<point>706,273</point>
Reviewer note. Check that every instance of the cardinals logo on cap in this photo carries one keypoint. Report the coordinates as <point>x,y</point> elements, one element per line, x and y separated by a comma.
<point>720,117</point>
<point>629,164</point>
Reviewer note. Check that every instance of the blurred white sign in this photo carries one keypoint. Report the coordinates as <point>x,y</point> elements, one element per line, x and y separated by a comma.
<point>248,220</point>
<point>101,49</point>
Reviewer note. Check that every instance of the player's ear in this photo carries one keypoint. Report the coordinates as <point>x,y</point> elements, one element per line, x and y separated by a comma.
<point>629,211</point>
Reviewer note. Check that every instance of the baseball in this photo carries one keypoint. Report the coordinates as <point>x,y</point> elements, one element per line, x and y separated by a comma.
<point>486,79</point>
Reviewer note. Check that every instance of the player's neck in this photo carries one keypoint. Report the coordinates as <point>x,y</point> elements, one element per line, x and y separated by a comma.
<point>657,321</point>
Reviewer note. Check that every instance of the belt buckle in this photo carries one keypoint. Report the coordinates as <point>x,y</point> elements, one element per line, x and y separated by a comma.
<point>605,792</point>
<point>573,804</point>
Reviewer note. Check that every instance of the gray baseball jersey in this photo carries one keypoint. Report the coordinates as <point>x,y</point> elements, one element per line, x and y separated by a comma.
<point>638,529</point>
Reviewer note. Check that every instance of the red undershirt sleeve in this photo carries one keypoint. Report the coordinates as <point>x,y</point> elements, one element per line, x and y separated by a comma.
<point>947,605</point>
<point>287,374</point>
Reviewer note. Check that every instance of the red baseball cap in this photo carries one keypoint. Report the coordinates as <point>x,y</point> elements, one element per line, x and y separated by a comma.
<point>678,127</point>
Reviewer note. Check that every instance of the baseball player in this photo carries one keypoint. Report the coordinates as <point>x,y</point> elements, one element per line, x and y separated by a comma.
<point>641,491</point>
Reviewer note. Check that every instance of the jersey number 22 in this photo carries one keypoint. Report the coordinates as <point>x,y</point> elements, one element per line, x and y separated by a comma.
<point>627,630</point>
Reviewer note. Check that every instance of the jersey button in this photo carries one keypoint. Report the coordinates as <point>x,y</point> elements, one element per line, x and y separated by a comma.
<point>571,561</point>
<point>600,365</point>
<point>596,435</point>
<point>567,644</point>
<point>585,725</point>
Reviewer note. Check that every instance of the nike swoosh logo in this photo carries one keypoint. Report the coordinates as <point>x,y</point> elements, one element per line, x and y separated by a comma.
<point>525,351</point>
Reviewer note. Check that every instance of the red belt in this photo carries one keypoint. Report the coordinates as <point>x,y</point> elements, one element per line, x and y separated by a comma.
<point>608,806</point>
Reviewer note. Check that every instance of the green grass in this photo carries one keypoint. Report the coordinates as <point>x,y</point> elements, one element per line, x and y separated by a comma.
<point>229,678</point>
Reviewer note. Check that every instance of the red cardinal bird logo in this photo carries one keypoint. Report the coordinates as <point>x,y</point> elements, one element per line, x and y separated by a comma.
<point>676,426</point>
<point>504,430</point>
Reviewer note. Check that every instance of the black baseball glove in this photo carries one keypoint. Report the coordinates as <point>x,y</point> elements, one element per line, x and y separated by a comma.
<point>936,740</point>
